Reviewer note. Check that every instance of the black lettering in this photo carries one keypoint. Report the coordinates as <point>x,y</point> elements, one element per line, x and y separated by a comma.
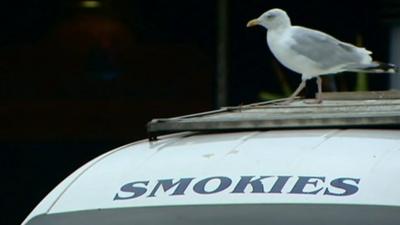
<point>279,184</point>
<point>302,182</point>
<point>133,190</point>
<point>342,183</point>
<point>167,184</point>
<point>224,183</point>
<point>256,184</point>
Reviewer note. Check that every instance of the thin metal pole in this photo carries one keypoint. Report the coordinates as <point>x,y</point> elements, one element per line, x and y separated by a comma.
<point>222,53</point>
<point>395,55</point>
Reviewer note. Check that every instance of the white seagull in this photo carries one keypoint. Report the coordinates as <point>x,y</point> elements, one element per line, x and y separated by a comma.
<point>313,53</point>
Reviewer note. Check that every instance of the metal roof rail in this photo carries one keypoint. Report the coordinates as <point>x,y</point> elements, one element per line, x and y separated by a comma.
<point>338,110</point>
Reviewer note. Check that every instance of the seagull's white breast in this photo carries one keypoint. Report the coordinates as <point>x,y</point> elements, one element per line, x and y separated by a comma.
<point>279,43</point>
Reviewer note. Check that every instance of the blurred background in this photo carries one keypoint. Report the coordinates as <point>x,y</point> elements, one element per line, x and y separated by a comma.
<point>81,77</point>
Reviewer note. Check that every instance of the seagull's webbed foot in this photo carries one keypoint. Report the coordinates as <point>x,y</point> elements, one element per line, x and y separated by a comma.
<point>313,101</point>
<point>287,101</point>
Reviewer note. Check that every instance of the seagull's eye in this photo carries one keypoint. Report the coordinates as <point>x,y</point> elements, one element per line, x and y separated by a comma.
<point>270,16</point>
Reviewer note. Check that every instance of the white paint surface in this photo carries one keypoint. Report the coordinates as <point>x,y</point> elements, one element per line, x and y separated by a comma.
<point>373,156</point>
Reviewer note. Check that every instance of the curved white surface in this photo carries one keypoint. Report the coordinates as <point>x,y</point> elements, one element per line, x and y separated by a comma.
<point>340,168</point>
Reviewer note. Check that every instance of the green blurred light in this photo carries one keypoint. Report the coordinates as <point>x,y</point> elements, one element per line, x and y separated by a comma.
<point>90,4</point>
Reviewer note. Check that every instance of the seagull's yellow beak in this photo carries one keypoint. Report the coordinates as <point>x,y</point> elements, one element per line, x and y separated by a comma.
<point>253,23</point>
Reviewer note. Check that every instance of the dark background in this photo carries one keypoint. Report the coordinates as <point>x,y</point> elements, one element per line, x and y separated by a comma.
<point>76,82</point>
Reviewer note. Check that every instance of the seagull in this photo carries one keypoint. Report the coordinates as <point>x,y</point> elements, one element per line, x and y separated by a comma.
<point>313,53</point>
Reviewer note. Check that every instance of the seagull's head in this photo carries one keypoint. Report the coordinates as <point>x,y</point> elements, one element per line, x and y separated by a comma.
<point>272,19</point>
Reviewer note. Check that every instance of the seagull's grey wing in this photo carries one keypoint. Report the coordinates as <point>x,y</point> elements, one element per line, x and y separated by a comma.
<point>327,51</point>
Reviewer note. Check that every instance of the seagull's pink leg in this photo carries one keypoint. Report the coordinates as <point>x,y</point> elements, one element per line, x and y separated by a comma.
<point>295,93</point>
<point>319,94</point>
<point>318,97</point>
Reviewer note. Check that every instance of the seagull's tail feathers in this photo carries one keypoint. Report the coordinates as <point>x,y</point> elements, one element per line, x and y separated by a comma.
<point>375,67</point>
